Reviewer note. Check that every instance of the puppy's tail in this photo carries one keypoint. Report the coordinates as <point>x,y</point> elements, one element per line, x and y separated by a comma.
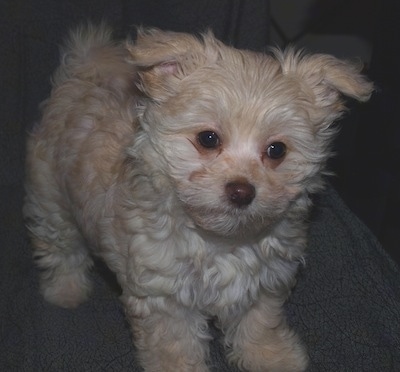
<point>91,54</point>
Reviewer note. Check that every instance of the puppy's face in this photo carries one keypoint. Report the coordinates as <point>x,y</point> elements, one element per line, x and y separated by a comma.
<point>240,135</point>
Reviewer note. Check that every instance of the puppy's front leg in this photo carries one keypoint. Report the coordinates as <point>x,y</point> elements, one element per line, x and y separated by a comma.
<point>261,341</point>
<point>169,338</point>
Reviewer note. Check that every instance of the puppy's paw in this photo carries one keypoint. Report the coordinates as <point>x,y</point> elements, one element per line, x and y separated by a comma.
<point>68,290</point>
<point>173,357</point>
<point>288,355</point>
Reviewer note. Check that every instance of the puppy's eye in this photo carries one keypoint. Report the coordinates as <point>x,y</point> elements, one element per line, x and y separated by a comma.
<point>276,150</point>
<point>208,139</point>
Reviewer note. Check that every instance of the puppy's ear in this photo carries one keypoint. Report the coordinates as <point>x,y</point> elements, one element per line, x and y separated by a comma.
<point>163,59</point>
<point>327,79</point>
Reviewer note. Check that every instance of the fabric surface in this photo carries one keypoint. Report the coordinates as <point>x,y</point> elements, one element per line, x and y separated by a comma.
<point>346,306</point>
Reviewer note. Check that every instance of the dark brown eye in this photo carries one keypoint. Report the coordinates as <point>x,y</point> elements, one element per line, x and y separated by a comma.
<point>208,139</point>
<point>276,150</point>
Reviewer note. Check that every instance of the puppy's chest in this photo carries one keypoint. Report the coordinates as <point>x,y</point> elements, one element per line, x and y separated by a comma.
<point>221,280</point>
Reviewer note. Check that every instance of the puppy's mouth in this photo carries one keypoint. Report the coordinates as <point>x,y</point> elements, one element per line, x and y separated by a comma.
<point>234,212</point>
<point>228,219</point>
<point>236,208</point>
<point>235,215</point>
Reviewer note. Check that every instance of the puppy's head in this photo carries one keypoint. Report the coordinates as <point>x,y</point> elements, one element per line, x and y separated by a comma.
<point>240,135</point>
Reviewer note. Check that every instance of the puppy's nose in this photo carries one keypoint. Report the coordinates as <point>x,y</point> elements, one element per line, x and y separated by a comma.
<point>240,193</point>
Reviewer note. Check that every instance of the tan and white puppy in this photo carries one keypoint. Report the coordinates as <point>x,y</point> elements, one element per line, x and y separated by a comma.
<point>187,166</point>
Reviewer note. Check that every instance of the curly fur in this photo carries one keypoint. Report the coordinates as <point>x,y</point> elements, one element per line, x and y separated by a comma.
<point>115,169</point>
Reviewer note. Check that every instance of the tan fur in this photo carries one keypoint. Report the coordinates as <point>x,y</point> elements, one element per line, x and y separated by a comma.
<point>116,169</point>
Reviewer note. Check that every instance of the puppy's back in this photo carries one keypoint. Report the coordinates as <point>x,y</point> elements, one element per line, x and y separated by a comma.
<point>90,54</point>
<point>88,120</point>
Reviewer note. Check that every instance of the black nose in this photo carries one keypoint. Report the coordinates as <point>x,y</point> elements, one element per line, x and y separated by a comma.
<point>240,193</point>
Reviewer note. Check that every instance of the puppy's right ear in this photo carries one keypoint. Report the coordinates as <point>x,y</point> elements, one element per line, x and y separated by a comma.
<point>163,59</point>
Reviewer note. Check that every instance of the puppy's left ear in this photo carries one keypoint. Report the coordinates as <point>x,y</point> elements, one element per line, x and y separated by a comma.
<point>327,79</point>
<point>164,58</point>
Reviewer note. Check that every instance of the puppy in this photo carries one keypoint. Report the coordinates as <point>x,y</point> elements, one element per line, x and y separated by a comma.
<point>187,166</point>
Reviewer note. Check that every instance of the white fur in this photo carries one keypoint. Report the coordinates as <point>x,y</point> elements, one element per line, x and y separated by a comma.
<point>115,169</point>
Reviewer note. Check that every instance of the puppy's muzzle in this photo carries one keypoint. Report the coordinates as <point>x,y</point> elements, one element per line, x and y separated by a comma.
<point>240,193</point>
